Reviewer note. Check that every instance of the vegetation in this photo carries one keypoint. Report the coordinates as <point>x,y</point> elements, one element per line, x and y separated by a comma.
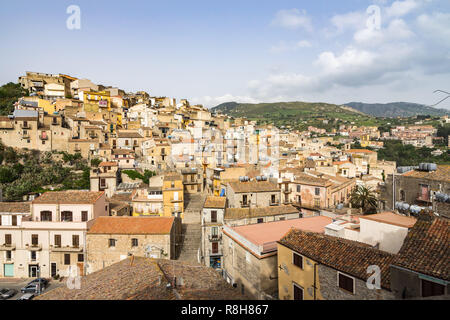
<point>298,115</point>
<point>408,155</point>
<point>9,94</point>
<point>134,175</point>
<point>364,198</point>
<point>22,172</point>
<point>397,109</point>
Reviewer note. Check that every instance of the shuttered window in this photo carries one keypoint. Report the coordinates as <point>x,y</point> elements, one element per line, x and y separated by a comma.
<point>346,282</point>
<point>298,260</point>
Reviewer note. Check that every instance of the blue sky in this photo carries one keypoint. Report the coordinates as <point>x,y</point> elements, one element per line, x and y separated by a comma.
<point>250,51</point>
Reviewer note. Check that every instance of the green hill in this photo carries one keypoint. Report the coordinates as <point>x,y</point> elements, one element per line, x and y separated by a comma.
<point>296,114</point>
<point>397,109</point>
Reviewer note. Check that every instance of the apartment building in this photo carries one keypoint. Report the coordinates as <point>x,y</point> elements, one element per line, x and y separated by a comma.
<point>255,193</point>
<point>52,240</point>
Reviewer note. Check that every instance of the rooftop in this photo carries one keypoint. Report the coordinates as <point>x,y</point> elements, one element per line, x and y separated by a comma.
<point>426,248</point>
<point>253,186</point>
<point>132,225</point>
<point>16,207</point>
<point>392,218</point>
<point>348,256</point>
<point>147,279</point>
<point>242,213</point>
<point>273,231</point>
<point>441,174</point>
<point>215,202</point>
<point>68,197</point>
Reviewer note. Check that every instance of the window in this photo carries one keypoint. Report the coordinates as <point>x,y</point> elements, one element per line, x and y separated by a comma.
<point>14,220</point>
<point>273,198</point>
<point>260,220</point>
<point>75,240</point>
<point>80,257</point>
<point>102,183</point>
<point>33,255</point>
<point>66,216</point>
<point>430,288</point>
<point>282,218</point>
<point>317,191</point>
<point>402,195</point>
<point>67,259</point>
<point>316,203</point>
<point>298,292</point>
<point>297,260</point>
<point>34,239</point>
<point>112,243</point>
<point>299,188</point>
<point>58,240</point>
<point>346,283</point>
<point>244,199</point>
<point>215,247</point>
<point>8,255</point>
<point>84,216</point>
<point>213,216</point>
<point>214,232</point>
<point>8,239</point>
<point>134,242</point>
<point>46,216</point>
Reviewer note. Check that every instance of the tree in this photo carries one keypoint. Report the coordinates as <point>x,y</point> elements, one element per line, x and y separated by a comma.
<point>365,198</point>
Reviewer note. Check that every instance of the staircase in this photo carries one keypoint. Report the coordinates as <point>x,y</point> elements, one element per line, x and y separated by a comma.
<point>191,229</point>
<point>191,241</point>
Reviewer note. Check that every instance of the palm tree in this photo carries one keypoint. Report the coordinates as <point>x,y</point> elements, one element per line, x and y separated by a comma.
<point>365,198</point>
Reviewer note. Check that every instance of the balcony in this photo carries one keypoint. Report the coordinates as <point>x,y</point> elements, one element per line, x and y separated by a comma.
<point>245,204</point>
<point>67,248</point>
<point>275,203</point>
<point>176,200</point>
<point>218,252</point>
<point>25,135</point>
<point>93,135</point>
<point>287,190</point>
<point>214,238</point>
<point>42,137</point>
<point>25,126</point>
<point>423,197</point>
<point>34,247</point>
<point>77,149</point>
<point>8,247</point>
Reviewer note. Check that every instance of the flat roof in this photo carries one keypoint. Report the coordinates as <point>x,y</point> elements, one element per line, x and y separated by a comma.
<point>273,231</point>
<point>392,218</point>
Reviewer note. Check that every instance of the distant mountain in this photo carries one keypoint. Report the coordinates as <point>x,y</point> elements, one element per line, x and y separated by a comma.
<point>396,109</point>
<point>290,113</point>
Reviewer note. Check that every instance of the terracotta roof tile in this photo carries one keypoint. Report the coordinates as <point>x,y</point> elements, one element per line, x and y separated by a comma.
<point>69,197</point>
<point>253,186</point>
<point>132,225</point>
<point>426,248</point>
<point>215,202</point>
<point>348,256</point>
<point>242,213</point>
<point>17,207</point>
<point>392,218</point>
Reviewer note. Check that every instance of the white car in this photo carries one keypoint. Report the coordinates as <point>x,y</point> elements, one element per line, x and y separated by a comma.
<point>27,296</point>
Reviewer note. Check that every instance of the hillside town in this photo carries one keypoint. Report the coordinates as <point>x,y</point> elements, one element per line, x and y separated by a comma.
<point>216,207</point>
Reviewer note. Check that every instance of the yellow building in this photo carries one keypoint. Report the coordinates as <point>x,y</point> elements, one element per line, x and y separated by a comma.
<point>314,266</point>
<point>95,100</point>
<point>173,196</point>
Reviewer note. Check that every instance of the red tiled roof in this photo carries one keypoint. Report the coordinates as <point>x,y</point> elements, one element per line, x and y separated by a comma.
<point>132,225</point>
<point>426,248</point>
<point>68,197</point>
<point>347,256</point>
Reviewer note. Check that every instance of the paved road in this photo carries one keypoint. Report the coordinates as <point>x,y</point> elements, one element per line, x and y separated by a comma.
<point>19,284</point>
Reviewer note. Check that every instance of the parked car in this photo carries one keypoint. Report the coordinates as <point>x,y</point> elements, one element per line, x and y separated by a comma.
<point>44,282</point>
<point>33,287</point>
<point>27,296</point>
<point>7,293</point>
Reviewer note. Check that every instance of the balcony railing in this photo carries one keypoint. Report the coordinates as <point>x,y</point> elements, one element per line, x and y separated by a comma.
<point>8,247</point>
<point>34,247</point>
<point>25,126</point>
<point>217,252</point>
<point>245,204</point>
<point>66,248</point>
<point>214,238</point>
<point>275,203</point>
<point>287,190</point>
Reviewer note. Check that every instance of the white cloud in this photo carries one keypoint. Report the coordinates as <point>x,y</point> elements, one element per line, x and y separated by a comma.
<point>436,26</point>
<point>293,19</point>
<point>397,30</point>
<point>210,102</point>
<point>349,21</point>
<point>401,8</point>
<point>304,44</point>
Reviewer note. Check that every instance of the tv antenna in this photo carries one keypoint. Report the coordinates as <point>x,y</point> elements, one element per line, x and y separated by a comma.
<point>441,91</point>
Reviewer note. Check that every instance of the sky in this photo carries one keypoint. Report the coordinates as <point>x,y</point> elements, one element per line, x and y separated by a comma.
<point>210,52</point>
